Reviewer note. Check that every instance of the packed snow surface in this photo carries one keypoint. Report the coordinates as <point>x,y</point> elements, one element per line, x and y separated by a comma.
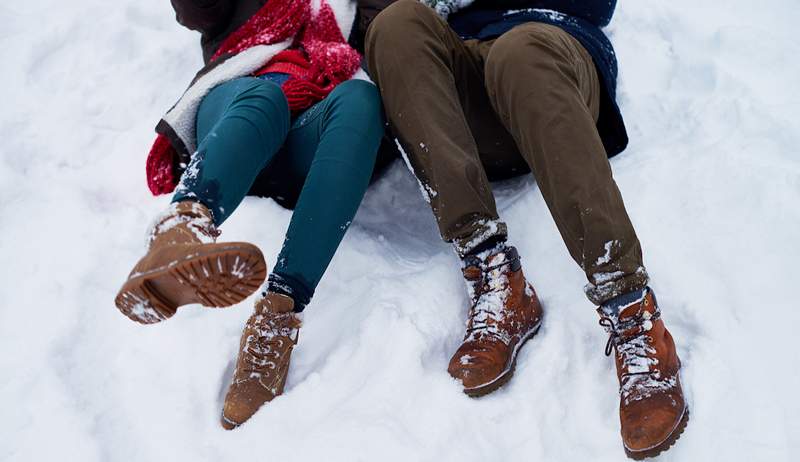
<point>711,180</point>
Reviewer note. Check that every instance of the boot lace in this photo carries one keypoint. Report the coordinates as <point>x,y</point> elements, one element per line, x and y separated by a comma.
<point>264,347</point>
<point>633,345</point>
<point>630,339</point>
<point>487,309</point>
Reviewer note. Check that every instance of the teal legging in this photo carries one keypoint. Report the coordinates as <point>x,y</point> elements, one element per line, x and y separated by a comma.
<point>326,155</point>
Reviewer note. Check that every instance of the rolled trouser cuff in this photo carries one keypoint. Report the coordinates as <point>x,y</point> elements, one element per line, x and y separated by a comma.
<point>610,285</point>
<point>478,232</point>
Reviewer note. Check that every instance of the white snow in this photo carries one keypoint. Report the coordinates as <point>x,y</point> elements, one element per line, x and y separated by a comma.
<point>711,180</point>
<point>606,257</point>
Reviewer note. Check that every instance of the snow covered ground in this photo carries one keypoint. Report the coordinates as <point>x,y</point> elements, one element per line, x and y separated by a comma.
<point>711,179</point>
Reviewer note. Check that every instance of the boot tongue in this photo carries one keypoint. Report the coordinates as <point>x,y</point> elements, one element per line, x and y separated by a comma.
<point>497,258</point>
<point>644,307</point>
<point>184,222</point>
<point>630,311</point>
<point>633,318</point>
<point>275,303</point>
<point>277,315</point>
<point>471,268</point>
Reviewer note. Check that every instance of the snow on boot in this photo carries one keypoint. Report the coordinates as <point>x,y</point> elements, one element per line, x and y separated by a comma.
<point>263,363</point>
<point>505,313</point>
<point>184,265</point>
<point>652,410</point>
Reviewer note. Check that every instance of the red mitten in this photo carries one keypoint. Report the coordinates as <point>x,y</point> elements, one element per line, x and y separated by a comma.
<point>302,94</point>
<point>160,161</point>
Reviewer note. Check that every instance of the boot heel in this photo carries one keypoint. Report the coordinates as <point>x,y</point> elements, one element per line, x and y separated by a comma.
<point>144,304</point>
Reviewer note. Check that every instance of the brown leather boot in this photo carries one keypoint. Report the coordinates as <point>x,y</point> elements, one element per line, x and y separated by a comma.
<point>652,411</point>
<point>263,363</point>
<point>183,265</point>
<point>505,313</point>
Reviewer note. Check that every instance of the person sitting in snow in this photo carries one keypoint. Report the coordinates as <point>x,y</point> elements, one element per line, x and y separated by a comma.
<point>485,90</point>
<point>275,112</point>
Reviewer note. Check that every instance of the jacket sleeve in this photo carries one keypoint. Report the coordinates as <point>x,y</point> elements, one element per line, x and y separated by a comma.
<point>366,10</point>
<point>445,7</point>
<point>597,12</point>
<point>205,16</point>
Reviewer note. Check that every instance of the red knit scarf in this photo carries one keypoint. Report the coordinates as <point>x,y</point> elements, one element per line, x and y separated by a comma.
<point>319,60</point>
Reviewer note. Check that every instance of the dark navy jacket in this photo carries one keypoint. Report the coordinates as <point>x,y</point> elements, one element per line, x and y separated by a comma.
<point>488,19</point>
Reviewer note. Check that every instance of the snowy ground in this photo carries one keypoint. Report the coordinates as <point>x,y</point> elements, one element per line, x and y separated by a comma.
<point>711,178</point>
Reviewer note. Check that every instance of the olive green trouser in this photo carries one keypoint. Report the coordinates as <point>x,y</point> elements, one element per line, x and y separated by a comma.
<point>467,112</point>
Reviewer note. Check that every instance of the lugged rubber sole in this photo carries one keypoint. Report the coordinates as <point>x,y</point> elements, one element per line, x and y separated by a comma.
<point>228,424</point>
<point>508,372</point>
<point>663,446</point>
<point>219,275</point>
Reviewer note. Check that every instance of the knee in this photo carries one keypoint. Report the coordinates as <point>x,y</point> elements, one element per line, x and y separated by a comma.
<point>360,102</point>
<point>530,55</point>
<point>260,113</point>
<point>398,27</point>
<point>262,99</point>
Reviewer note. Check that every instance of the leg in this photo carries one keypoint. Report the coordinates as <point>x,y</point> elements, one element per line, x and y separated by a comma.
<point>433,86</point>
<point>332,147</point>
<point>428,79</point>
<point>335,144</point>
<point>544,86</point>
<point>241,124</point>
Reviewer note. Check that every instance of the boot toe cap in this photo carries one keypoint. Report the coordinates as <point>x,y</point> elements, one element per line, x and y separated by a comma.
<point>242,401</point>
<point>475,367</point>
<point>226,423</point>
<point>648,425</point>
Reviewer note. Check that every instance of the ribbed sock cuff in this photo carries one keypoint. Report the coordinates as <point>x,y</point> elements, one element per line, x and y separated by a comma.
<point>613,306</point>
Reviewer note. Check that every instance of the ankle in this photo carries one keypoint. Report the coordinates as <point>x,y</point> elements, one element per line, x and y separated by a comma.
<point>290,287</point>
<point>488,247</point>
<point>186,217</point>
<point>614,306</point>
<point>482,234</point>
